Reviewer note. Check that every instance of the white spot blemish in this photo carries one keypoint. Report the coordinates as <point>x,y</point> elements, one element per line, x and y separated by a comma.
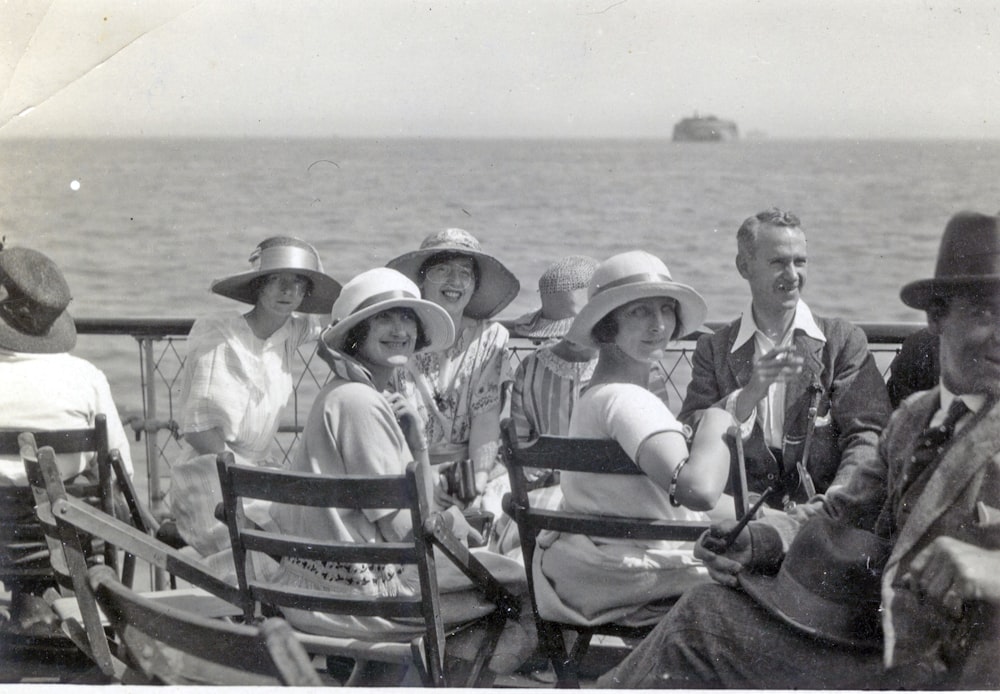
<point>74,185</point>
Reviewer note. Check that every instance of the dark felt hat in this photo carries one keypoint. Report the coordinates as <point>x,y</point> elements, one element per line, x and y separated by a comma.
<point>969,258</point>
<point>33,301</point>
<point>283,254</point>
<point>829,585</point>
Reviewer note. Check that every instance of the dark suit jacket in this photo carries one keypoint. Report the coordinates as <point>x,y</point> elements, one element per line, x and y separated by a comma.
<point>852,409</point>
<point>959,497</point>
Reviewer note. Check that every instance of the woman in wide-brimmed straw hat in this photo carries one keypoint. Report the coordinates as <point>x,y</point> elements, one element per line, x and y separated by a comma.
<point>635,309</point>
<point>356,427</point>
<point>458,391</point>
<point>238,376</point>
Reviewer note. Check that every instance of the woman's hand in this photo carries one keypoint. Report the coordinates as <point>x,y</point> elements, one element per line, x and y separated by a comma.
<point>724,565</point>
<point>409,421</point>
<point>461,529</point>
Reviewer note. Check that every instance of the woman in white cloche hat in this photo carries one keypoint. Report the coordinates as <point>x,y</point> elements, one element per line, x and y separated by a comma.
<point>635,309</point>
<point>357,427</point>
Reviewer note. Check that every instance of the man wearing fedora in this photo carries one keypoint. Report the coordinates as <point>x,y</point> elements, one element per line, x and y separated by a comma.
<point>43,387</point>
<point>806,390</point>
<point>895,582</point>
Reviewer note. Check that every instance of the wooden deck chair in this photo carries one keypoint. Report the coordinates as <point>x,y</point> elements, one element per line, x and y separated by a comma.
<point>24,553</point>
<point>402,492</point>
<point>70,525</point>
<point>579,455</point>
<point>176,647</point>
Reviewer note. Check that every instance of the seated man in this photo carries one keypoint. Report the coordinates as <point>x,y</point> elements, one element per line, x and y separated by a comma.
<point>920,524</point>
<point>915,368</point>
<point>801,385</point>
<point>42,387</point>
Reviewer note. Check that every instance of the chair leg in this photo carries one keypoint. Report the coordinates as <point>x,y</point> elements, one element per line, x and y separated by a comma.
<point>480,672</point>
<point>554,647</point>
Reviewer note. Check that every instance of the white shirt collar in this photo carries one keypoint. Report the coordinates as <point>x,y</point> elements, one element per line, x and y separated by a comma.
<point>974,401</point>
<point>803,321</point>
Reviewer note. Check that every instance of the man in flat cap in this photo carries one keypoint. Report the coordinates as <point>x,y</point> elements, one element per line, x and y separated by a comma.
<point>918,529</point>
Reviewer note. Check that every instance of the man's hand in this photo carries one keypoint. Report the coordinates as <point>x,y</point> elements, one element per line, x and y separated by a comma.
<point>778,365</point>
<point>951,573</point>
<point>723,566</point>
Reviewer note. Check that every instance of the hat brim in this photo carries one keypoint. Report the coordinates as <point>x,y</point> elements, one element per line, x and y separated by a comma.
<point>921,293</point>
<point>497,285</point>
<point>60,337</point>
<point>325,289</point>
<point>796,606</point>
<point>534,325</point>
<point>437,325</point>
<point>691,308</point>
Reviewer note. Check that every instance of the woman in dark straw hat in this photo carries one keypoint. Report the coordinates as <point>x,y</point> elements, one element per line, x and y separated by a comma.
<point>635,309</point>
<point>458,391</point>
<point>237,377</point>
<point>379,324</point>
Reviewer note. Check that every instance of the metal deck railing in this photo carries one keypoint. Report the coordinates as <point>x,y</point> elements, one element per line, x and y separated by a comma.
<point>160,359</point>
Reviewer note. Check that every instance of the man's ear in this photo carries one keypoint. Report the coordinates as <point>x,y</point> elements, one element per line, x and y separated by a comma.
<point>741,265</point>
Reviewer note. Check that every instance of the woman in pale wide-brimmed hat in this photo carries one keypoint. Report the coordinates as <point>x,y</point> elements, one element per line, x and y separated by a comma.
<point>238,376</point>
<point>458,392</point>
<point>635,309</point>
<point>357,427</point>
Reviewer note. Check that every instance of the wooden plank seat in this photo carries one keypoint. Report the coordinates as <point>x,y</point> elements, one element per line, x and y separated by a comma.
<point>428,612</point>
<point>178,647</point>
<point>557,453</point>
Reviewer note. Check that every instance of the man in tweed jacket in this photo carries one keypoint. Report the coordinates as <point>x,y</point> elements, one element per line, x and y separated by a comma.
<point>802,385</point>
<point>937,506</point>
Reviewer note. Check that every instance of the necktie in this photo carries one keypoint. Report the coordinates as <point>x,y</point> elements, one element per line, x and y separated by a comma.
<point>933,440</point>
<point>930,446</point>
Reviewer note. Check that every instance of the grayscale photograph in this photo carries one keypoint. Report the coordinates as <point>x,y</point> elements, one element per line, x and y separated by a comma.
<point>469,343</point>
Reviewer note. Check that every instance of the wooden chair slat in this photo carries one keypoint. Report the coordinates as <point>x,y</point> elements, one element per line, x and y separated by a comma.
<point>302,489</point>
<point>276,544</point>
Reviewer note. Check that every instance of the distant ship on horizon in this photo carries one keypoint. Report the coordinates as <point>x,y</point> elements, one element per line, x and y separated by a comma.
<point>705,129</point>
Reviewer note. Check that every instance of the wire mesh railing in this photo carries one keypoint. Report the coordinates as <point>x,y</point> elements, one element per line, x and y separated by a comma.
<point>160,362</point>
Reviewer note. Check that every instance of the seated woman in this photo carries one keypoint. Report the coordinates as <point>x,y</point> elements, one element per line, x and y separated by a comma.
<point>635,309</point>
<point>237,378</point>
<point>356,428</point>
<point>457,392</point>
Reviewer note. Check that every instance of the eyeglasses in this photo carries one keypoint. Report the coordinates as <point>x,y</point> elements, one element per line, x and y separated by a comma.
<point>459,276</point>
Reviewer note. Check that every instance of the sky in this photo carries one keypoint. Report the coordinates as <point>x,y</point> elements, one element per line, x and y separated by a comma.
<point>499,68</point>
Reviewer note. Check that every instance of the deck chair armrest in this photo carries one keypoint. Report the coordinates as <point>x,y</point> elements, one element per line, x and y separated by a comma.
<point>126,538</point>
<point>612,526</point>
<point>441,536</point>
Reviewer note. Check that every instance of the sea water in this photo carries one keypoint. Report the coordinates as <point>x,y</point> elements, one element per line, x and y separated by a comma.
<point>141,227</point>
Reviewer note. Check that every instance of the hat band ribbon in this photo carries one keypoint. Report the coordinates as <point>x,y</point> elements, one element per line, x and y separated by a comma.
<point>384,296</point>
<point>284,258</point>
<point>18,314</point>
<point>634,279</point>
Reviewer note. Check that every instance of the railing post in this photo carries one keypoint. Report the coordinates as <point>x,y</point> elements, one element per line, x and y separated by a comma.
<point>156,496</point>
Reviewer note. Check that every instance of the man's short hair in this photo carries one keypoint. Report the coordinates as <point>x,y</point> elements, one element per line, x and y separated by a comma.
<point>746,237</point>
